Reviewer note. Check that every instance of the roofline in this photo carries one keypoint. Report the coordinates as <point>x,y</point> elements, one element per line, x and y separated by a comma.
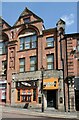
<point>50,29</point>
<point>6,22</point>
<point>71,34</point>
<point>27,15</point>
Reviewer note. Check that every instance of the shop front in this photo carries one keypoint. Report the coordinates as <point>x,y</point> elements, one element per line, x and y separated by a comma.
<point>27,91</point>
<point>51,88</point>
<point>3,91</point>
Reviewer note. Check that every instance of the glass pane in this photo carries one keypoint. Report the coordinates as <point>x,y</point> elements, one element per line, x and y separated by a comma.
<point>50,66</point>
<point>27,45</point>
<point>21,46</point>
<point>33,44</point>
<point>1,45</point>
<point>50,44</point>
<point>22,69</point>
<point>21,40</point>
<point>49,58</point>
<point>32,68</point>
<point>27,42</point>
<point>50,39</point>
<point>22,61</point>
<point>27,20</point>
<point>33,38</point>
<point>33,60</point>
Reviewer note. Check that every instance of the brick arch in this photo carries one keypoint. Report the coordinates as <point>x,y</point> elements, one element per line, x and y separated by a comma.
<point>26,28</point>
<point>5,37</point>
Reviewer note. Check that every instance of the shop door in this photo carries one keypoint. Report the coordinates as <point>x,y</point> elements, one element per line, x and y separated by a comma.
<point>77,99</point>
<point>51,98</point>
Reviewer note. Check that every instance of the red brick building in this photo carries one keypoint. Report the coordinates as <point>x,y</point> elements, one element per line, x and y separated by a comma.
<point>24,49</point>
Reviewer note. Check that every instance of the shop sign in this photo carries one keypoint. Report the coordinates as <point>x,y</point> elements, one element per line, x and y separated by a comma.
<point>24,84</point>
<point>51,83</point>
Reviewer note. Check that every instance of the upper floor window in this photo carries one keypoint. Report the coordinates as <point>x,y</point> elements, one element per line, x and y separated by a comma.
<point>4,66</point>
<point>33,63</point>
<point>28,42</point>
<point>50,61</point>
<point>22,64</point>
<point>26,20</point>
<point>3,47</point>
<point>50,41</point>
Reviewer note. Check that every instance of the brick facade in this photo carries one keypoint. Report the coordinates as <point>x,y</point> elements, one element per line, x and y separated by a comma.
<point>65,64</point>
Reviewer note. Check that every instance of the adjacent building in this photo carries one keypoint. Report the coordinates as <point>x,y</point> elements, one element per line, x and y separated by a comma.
<point>29,53</point>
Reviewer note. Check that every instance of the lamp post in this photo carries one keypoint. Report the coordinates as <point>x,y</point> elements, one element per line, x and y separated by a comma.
<point>60,34</point>
<point>42,108</point>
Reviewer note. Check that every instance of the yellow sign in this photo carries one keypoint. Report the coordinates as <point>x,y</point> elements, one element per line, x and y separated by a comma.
<point>50,83</point>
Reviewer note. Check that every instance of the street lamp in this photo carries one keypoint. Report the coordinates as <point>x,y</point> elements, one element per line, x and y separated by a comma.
<point>60,34</point>
<point>42,108</point>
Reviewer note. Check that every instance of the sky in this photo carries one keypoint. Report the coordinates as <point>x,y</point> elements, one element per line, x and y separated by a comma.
<point>50,12</point>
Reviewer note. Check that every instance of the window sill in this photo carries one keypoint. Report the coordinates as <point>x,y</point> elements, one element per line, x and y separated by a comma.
<point>49,47</point>
<point>27,49</point>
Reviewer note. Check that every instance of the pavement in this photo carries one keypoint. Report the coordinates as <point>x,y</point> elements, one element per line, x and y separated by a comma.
<point>49,112</point>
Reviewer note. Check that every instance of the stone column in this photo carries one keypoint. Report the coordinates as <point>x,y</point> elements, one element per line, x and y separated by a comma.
<point>13,93</point>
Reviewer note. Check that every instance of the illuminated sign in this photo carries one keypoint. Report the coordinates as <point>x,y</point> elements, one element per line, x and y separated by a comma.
<point>50,83</point>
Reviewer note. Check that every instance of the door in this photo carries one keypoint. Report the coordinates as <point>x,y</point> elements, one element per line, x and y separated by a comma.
<point>51,98</point>
<point>77,99</point>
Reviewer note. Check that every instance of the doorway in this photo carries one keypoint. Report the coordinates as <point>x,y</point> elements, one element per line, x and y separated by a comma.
<point>77,99</point>
<point>51,98</point>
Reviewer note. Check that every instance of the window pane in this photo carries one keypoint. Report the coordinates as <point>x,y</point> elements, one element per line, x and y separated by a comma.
<point>33,44</point>
<point>50,59</point>
<point>33,41</point>
<point>33,38</point>
<point>26,20</point>
<point>32,68</point>
<point>33,63</point>
<point>50,66</point>
<point>21,43</point>
<point>50,42</point>
<point>27,42</point>
<point>1,48</point>
<point>33,60</point>
<point>21,61</point>
<point>22,64</point>
<point>21,69</point>
<point>50,62</point>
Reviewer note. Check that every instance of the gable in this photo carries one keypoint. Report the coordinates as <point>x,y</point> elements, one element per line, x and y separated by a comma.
<point>4,24</point>
<point>27,14</point>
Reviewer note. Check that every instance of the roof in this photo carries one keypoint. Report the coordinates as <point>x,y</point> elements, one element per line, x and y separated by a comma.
<point>3,21</point>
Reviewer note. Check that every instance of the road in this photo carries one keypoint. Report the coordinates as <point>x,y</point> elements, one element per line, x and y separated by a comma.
<point>9,113</point>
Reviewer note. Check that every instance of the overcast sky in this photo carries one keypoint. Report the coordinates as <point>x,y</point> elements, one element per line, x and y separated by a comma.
<point>50,12</point>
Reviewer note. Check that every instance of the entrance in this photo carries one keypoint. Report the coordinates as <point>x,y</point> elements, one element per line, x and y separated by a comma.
<point>51,98</point>
<point>77,99</point>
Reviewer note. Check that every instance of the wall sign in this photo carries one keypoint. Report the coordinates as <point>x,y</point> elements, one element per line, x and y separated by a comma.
<point>51,83</point>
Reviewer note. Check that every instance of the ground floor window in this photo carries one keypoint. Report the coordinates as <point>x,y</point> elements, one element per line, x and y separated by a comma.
<point>18,95</point>
<point>34,94</point>
<point>23,98</point>
<point>26,98</point>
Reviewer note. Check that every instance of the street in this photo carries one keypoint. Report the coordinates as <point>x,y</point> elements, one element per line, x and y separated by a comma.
<point>26,114</point>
